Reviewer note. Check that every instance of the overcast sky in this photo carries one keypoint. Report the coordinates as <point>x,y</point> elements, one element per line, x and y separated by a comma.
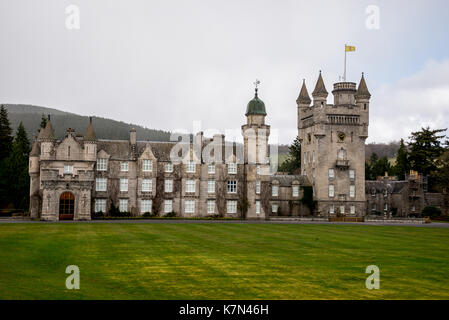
<point>164,64</point>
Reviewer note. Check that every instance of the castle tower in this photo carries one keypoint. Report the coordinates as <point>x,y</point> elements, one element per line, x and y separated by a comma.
<point>256,162</point>
<point>332,140</point>
<point>34,171</point>
<point>47,139</point>
<point>90,143</point>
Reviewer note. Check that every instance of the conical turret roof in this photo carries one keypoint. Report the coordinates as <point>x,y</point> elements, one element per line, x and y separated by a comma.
<point>320,88</point>
<point>90,132</point>
<point>303,97</point>
<point>362,91</point>
<point>35,151</point>
<point>47,133</point>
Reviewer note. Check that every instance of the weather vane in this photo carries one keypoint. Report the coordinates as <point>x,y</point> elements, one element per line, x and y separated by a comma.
<point>256,83</point>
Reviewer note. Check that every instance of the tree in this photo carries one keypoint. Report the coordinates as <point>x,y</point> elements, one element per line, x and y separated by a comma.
<point>441,174</point>
<point>43,123</point>
<point>425,148</point>
<point>6,138</point>
<point>377,167</point>
<point>293,161</point>
<point>402,165</point>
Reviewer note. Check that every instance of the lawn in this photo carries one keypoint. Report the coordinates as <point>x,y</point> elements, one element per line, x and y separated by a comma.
<point>222,261</point>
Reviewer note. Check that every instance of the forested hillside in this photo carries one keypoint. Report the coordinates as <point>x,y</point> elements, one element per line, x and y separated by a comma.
<point>104,128</point>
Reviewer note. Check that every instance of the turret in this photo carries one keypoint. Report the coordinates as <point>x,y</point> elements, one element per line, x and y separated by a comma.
<point>46,138</point>
<point>319,94</point>
<point>90,143</point>
<point>362,98</point>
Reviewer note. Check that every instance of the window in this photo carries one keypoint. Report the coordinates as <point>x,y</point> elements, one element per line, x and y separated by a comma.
<point>169,167</point>
<point>147,165</point>
<point>257,187</point>
<point>123,205</point>
<point>146,206</point>
<point>124,166</point>
<point>351,175</point>
<point>342,209</point>
<point>386,207</point>
<point>101,184</point>
<point>258,169</point>
<point>190,186</point>
<point>352,209</point>
<point>373,208</point>
<point>100,205</point>
<point>102,164</point>
<point>68,169</point>
<point>231,206</point>
<point>210,206</point>
<point>211,186</point>
<point>331,190</point>
<point>257,207</point>
<point>413,208</point>
<point>168,206</point>
<point>295,191</point>
<point>124,185</point>
<point>189,206</point>
<point>373,192</point>
<point>331,174</point>
<point>274,208</point>
<point>168,185</point>
<point>232,168</point>
<point>352,191</point>
<point>331,209</point>
<point>232,186</point>
<point>147,185</point>
<point>385,193</point>
<point>211,168</point>
<point>275,191</point>
<point>190,166</point>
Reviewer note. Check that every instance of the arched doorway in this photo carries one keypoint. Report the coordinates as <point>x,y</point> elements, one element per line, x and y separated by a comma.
<point>66,206</point>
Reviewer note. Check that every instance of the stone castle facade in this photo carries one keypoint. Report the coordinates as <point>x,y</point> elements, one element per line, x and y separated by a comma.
<point>80,175</point>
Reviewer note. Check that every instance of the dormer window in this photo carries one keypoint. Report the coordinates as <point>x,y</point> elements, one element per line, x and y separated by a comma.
<point>169,167</point>
<point>102,164</point>
<point>147,165</point>
<point>124,166</point>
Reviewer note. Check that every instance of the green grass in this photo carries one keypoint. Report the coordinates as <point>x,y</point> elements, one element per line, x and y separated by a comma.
<point>222,261</point>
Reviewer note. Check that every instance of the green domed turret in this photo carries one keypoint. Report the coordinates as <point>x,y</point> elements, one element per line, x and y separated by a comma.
<point>256,107</point>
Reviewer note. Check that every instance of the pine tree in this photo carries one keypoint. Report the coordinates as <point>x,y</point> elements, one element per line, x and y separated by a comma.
<point>43,123</point>
<point>6,138</point>
<point>402,165</point>
<point>293,162</point>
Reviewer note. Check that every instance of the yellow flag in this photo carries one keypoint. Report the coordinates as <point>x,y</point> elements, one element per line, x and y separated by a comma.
<point>349,48</point>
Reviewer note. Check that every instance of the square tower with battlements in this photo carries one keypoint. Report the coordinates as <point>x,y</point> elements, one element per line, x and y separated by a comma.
<point>332,140</point>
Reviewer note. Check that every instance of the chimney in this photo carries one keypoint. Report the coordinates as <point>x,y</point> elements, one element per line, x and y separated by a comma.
<point>132,136</point>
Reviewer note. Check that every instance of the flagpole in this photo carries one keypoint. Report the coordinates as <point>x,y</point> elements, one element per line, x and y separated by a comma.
<point>344,75</point>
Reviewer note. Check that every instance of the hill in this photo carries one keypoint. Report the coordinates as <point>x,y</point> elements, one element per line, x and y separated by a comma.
<point>61,120</point>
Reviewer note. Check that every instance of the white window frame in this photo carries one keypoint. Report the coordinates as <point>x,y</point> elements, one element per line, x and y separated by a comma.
<point>232,168</point>
<point>169,167</point>
<point>124,166</point>
<point>275,191</point>
<point>190,186</point>
<point>331,174</point>
<point>100,205</point>
<point>168,206</point>
<point>331,191</point>
<point>258,169</point>
<point>342,209</point>
<point>332,209</point>
<point>146,204</point>
<point>123,205</point>
<point>352,209</point>
<point>210,206</point>
<point>147,185</point>
<point>352,191</point>
<point>232,186</point>
<point>274,208</point>
<point>68,169</point>
<point>101,184</point>
<point>295,191</point>
<point>190,166</point>
<point>124,184</point>
<point>351,175</point>
<point>147,165</point>
<point>102,164</point>
<point>210,186</point>
<point>211,168</point>
<point>189,206</point>
<point>257,207</point>
<point>258,187</point>
<point>168,185</point>
<point>231,206</point>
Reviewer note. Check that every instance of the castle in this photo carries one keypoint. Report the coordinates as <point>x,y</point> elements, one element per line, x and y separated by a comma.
<point>80,175</point>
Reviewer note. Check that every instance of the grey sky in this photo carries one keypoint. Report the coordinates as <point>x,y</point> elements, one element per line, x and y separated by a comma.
<point>164,64</point>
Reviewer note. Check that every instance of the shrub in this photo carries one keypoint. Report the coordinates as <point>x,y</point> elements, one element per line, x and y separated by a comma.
<point>98,215</point>
<point>171,214</point>
<point>431,211</point>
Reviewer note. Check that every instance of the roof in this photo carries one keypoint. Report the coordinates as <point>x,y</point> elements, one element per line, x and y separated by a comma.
<point>362,91</point>
<point>256,106</point>
<point>320,88</point>
<point>47,133</point>
<point>287,180</point>
<point>90,133</point>
<point>35,150</point>
<point>303,97</point>
<point>380,186</point>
